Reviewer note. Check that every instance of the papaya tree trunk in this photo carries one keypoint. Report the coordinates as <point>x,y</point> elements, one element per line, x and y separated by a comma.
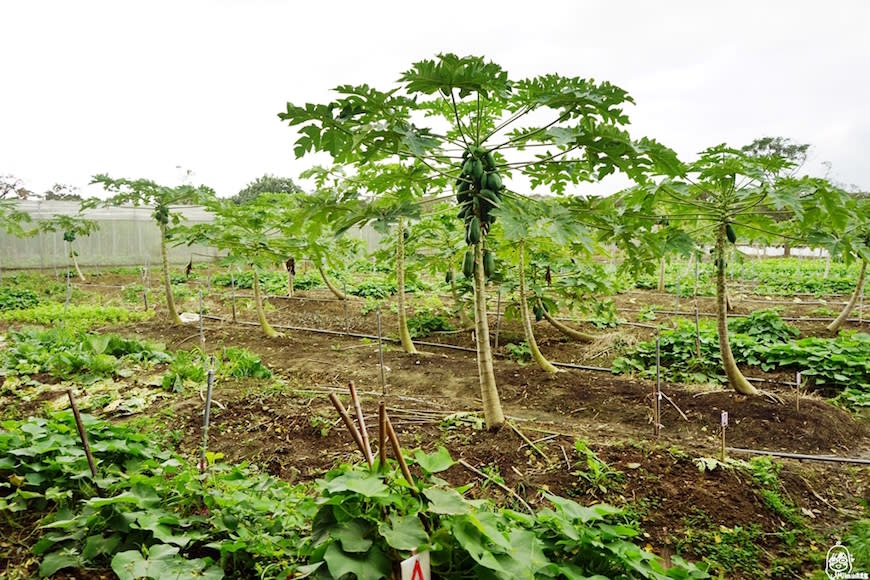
<point>289,283</point>
<point>837,324</point>
<point>735,378</point>
<point>463,316</point>
<point>527,320</point>
<point>332,287</point>
<point>404,334</point>
<point>661,284</point>
<point>572,333</point>
<point>492,410</point>
<point>786,250</point>
<point>261,314</point>
<point>167,283</point>
<point>75,263</point>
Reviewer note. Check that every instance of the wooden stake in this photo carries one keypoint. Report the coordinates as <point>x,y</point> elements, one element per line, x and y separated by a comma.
<point>144,291</point>
<point>348,422</point>
<point>697,330</point>
<point>203,465</point>
<point>201,332</point>
<point>394,442</point>
<point>82,433</point>
<point>381,356</point>
<point>724,425</point>
<point>797,392</point>
<point>382,436</point>
<point>367,449</point>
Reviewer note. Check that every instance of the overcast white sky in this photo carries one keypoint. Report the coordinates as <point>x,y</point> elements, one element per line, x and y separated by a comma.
<point>135,88</point>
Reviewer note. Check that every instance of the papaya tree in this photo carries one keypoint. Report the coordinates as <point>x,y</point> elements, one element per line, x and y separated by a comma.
<point>725,194</point>
<point>391,195</point>
<point>164,201</point>
<point>850,243</point>
<point>250,234</point>
<point>483,128</point>
<point>12,219</point>
<point>72,227</point>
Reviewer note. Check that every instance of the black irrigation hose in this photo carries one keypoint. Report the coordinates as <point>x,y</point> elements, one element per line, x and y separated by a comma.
<point>437,345</point>
<point>801,456</point>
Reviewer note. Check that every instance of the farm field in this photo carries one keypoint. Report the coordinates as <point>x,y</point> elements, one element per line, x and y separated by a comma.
<point>577,468</point>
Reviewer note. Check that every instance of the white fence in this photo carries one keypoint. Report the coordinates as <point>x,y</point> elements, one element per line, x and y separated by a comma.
<point>127,236</point>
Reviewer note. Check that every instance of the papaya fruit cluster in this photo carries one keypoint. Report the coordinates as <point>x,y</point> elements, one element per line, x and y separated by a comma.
<point>478,191</point>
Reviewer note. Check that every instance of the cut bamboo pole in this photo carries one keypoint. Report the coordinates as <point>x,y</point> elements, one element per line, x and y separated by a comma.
<point>82,433</point>
<point>348,422</point>
<point>367,449</point>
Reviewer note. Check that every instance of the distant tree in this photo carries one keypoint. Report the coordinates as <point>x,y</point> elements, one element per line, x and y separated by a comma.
<point>61,192</point>
<point>12,218</point>
<point>162,198</point>
<point>12,187</point>
<point>72,226</point>
<point>782,148</point>
<point>265,184</point>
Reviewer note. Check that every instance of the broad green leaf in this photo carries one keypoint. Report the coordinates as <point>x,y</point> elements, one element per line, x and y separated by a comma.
<point>371,565</point>
<point>446,501</point>
<point>352,535</point>
<point>404,532</point>
<point>434,462</point>
<point>365,484</point>
<point>57,561</point>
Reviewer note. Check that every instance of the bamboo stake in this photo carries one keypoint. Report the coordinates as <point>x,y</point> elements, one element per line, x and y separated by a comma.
<point>394,442</point>
<point>381,356</point>
<point>367,449</point>
<point>382,436</point>
<point>82,433</point>
<point>348,422</point>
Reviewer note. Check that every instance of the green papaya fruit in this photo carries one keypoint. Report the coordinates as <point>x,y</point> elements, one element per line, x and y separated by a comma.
<point>468,167</point>
<point>448,277</point>
<point>490,196</point>
<point>488,263</point>
<point>468,264</point>
<point>538,312</point>
<point>493,181</point>
<point>489,160</point>
<point>476,168</point>
<point>474,230</point>
<point>732,235</point>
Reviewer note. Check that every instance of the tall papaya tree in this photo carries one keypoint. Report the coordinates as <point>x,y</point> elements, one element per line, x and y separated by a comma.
<point>249,233</point>
<point>165,201</point>
<point>391,196</point>
<point>850,243</point>
<point>72,227</point>
<point>725,194</point>
<point>484,128</point>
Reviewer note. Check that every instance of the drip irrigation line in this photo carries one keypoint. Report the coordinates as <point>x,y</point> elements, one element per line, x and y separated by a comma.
<point>442,345</point>
<point>801,456</point>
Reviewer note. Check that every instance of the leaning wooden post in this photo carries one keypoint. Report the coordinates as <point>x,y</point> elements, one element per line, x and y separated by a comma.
<point>394,442</point>
<point>348,422</point>
<point>367,449</point>
<point>82,434</point>
<point>382,435</point>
